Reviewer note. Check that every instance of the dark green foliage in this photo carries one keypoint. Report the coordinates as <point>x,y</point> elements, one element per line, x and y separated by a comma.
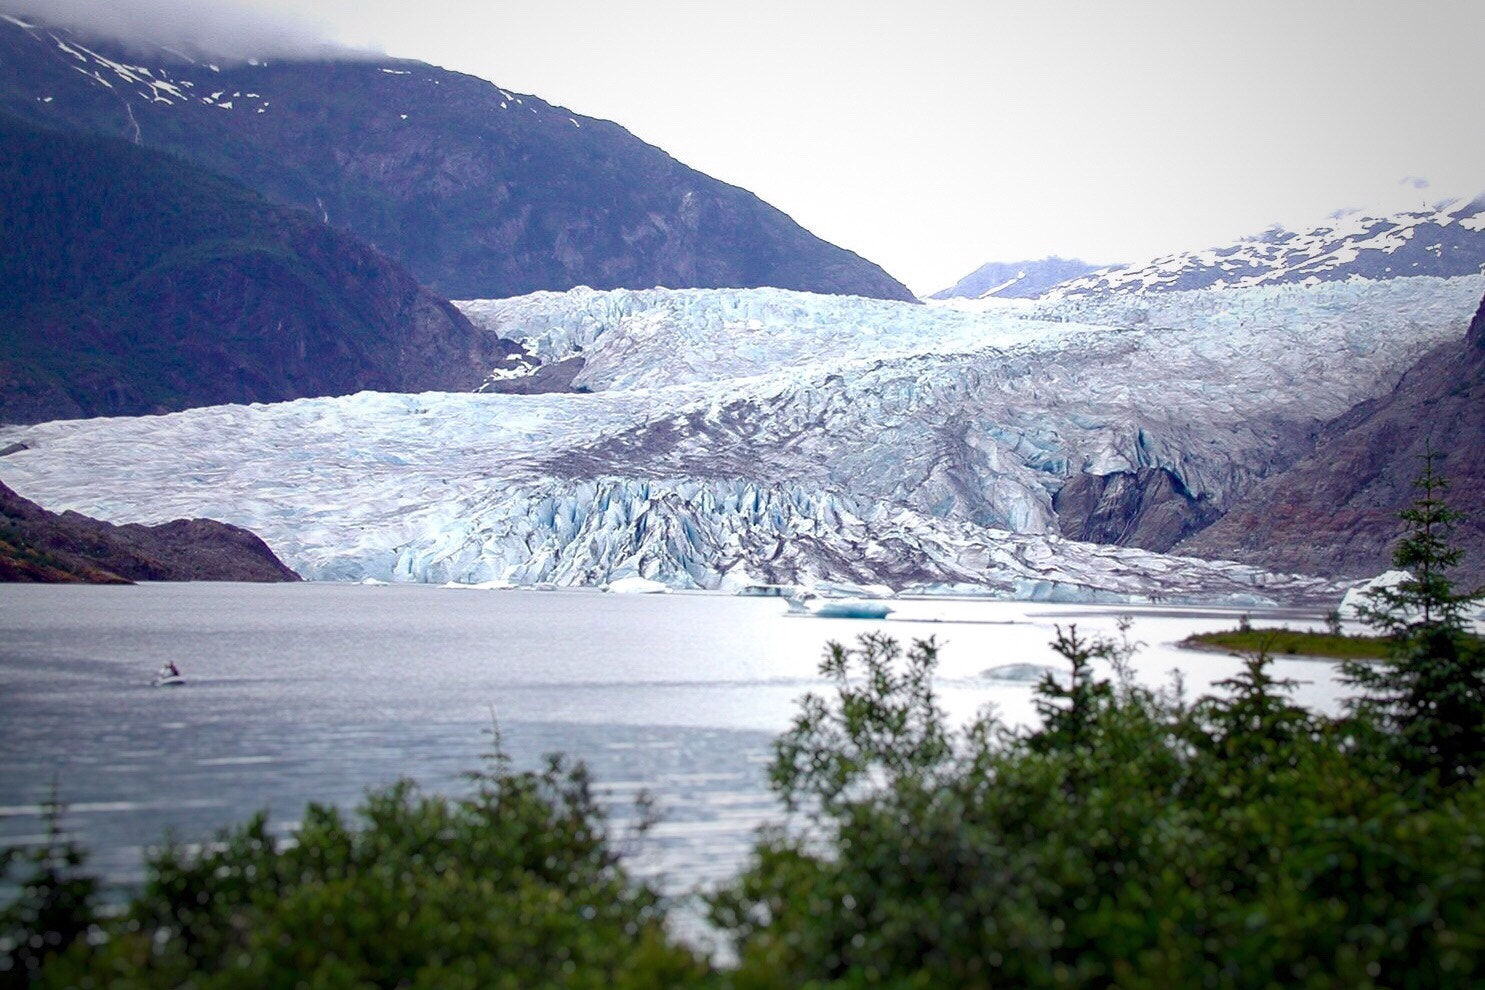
<point>53,908</point>
<point>515,886</point>
<point>1133,841</point>
<point>1427,598</point>
<point>1292,642</point>
<point>885,726</point>
<point>1253,725</point>
<point>83,215</point>
<point>1429,696</point>
<point>1070,715</point>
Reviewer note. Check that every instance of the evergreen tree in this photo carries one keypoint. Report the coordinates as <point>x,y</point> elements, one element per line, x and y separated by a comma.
<point>1070,714</point>
<point>1430,693</point>
<point>1253,724</point>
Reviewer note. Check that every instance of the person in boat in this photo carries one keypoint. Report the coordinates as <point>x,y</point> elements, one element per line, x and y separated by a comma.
<point>169,670</point>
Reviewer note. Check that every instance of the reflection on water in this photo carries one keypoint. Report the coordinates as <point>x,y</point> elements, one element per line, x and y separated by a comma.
<point>318,692</point>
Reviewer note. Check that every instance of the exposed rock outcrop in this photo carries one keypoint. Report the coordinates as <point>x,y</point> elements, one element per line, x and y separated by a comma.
<point>1335,513</point>
<point>1148,508</point>
<point>41,546</point>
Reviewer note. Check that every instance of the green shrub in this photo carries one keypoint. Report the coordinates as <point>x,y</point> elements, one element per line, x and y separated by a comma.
<point>1132,840</point>
<point>514,886</point>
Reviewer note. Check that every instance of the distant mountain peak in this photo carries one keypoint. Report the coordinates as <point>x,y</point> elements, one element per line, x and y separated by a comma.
<point>1016,279</point>
<point>1443,241</point>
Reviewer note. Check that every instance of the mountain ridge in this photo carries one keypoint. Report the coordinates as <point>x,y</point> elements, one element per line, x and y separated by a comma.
<point>479,191</point>
<point>1017,279</point>
<point>1445,241</point>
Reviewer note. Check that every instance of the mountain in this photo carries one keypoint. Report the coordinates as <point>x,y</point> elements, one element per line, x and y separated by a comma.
<point>41,546</point>
<point>1445,242</point>
<point>137,283</point>
<point>1016,279</point>
<point>479,191</point>
<point>1335,512</point>
<point>715,437</point>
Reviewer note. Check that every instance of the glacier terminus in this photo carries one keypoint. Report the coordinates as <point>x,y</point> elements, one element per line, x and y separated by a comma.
<point>717,438</point>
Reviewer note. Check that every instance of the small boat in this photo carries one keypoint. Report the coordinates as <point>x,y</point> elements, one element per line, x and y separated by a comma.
<point>837,608</point>
<point>168,676</point>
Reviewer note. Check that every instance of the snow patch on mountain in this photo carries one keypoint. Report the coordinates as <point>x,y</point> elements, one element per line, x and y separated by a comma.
<point>1016,279</point>
<point>166,80</point>
<point>1446,241</point>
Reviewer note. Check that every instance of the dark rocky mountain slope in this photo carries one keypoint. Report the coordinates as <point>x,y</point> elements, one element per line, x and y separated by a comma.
<point>136,283</point>
<point>478,191</point>
<point>1335,512</point>
<point>41,546</point>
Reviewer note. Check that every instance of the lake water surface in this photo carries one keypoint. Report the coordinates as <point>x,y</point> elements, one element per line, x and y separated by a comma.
<point>319,691</point>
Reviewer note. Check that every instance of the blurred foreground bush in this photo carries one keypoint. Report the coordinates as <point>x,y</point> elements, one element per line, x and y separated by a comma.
<point>515,886</point>
<point>1133,840</point>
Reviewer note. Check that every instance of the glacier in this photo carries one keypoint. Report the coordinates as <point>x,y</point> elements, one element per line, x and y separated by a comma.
<point>724,438</point>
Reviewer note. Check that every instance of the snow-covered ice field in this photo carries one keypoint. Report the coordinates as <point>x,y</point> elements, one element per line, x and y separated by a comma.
<point>732,436</point>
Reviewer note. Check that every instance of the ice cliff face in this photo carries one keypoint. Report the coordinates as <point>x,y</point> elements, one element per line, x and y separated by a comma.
<point>1447,241</point>
<point>351,508</point>
<point>731,436</point>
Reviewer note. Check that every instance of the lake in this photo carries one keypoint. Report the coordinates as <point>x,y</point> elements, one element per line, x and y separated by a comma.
<point>319,691</point>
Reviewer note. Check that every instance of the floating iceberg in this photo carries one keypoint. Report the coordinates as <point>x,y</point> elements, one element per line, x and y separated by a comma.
<point>837,608</point>
<point>498,584</point>
<point>637,585</point>
<point>1361,595</point>
<point>1023,673</point>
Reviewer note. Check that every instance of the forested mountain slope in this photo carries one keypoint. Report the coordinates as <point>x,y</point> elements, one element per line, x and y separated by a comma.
<point>480,192</point>
<point>137,283</point>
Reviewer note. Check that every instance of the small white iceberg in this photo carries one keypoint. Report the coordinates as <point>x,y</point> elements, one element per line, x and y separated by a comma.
<point>1022,673</point>
<point>637,586</point>
<point>1360,595</point>
<point>809,603</point>
<point>497,584</point>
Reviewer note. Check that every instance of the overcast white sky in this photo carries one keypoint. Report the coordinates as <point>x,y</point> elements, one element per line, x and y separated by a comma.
<point>936,135</point>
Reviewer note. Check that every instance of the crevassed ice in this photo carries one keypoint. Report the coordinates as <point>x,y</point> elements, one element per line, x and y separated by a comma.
<point>737,436</point>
